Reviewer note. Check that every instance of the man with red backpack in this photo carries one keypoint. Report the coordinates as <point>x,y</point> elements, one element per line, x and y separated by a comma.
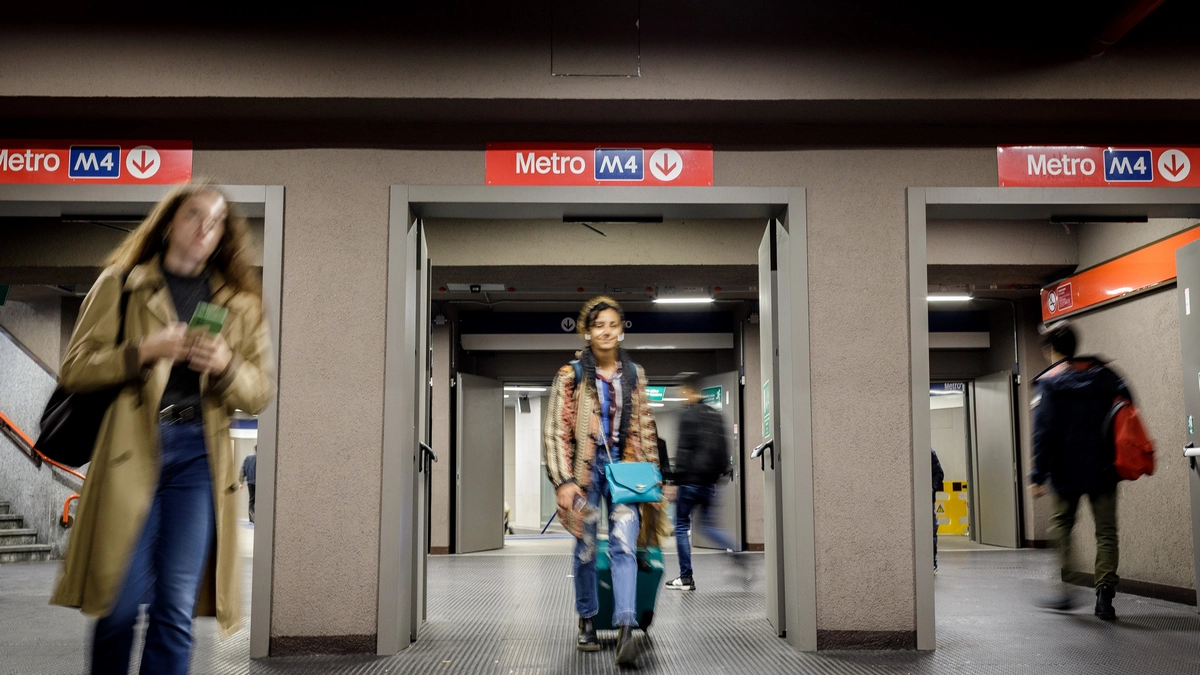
<point>1073,451</point>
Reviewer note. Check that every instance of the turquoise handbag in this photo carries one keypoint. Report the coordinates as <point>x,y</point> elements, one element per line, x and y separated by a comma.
<point>632,482</point>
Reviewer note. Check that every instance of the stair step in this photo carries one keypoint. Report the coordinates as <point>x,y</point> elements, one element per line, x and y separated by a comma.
<point>5,508</point>
<point>9,521</point>
<point>16,536</point>
<point>24,553</point>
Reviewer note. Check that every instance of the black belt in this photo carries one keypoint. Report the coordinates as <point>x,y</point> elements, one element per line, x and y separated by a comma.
<point>174,414</point>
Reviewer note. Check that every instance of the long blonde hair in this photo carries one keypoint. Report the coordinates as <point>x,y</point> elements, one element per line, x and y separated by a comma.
<point>231,259</point>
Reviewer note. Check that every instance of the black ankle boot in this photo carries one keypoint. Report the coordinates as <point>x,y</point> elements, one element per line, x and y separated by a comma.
<point>588,642</point>
<point>1104,606</point>
<point>627,649</point>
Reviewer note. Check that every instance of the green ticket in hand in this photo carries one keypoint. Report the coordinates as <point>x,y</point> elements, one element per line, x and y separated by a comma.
<point>208,317</point>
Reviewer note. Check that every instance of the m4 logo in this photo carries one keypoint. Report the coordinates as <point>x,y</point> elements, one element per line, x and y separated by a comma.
<point>1122,166</point>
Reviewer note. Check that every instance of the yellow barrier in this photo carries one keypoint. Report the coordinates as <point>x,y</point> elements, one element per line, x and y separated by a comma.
<point>951,508</point>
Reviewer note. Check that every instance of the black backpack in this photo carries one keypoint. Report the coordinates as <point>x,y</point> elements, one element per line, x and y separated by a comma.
<point>71,421</point>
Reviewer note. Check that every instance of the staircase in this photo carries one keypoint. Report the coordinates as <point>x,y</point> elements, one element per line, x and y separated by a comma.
<point>17,542</point>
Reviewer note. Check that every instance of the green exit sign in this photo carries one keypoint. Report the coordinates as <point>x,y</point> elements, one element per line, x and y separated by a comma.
<point>656,393</point>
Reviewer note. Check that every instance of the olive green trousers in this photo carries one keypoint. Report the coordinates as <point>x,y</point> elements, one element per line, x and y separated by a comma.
<point>1104,513</point>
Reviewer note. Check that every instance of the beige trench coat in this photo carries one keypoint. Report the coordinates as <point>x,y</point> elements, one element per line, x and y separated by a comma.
<point>123,475</point>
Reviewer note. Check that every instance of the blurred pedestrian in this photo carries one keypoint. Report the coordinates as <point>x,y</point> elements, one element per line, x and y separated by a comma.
<point>701,459</point>
<point>157,523</point>
<point>939,477</point>
<point>248,475</point>
<point>600,416</point>
<point>1072,452</point>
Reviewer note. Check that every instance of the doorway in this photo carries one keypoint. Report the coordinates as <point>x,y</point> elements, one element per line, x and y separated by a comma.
<point>786,462</point>
<point>1072,205</point>
<point>118,207</point>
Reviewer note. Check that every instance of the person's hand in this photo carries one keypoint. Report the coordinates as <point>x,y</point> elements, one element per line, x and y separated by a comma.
<point>1039,491</point>
<point>566,493</point>
<point>669,491</point>
<point>210,354</point>
<point>169,343</point>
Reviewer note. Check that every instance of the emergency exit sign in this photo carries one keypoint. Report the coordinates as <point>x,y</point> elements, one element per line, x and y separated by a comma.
<point>688,164</point>
<point>1097,166</point>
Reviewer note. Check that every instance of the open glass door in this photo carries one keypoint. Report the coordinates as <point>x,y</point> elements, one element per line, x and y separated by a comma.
<point>723,393</point>
<point>480,470</point>
<point>1187,267</point>
<point>997,481</point>
<point>767,453</point>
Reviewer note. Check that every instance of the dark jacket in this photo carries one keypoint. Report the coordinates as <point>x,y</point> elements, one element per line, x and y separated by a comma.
<point>939,476</point>
<point>1071,448</point>
<point>702,439</point>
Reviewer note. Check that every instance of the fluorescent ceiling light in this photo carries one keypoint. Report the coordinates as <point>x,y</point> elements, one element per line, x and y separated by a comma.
<point>657,405</point>
<point>524,389</point>
<point>674,399</point>
<point>506,396</point>
<point>683,301</point>
<point>948,298</point>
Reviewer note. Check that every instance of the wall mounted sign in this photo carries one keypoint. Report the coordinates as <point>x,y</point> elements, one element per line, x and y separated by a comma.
<point>713,397</point>
<point>1135,272</point>
<point>655,393</point>
<point>1094,166</point>
<point>95,162</point>
<point>688,164</point>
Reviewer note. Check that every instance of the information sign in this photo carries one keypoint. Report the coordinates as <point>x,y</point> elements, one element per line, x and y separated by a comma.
<point>1096,166</point>
<point>67,162</point>
<point>713,397</point>
<point>599,164</point>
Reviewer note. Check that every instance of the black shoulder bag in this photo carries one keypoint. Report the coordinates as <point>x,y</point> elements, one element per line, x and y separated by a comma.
<point>71,421</point>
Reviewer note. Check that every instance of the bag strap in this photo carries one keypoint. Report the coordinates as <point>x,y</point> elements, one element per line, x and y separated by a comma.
<point>123,305</point>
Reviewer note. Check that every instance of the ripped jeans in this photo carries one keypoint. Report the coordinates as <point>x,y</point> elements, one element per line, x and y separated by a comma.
<point>623,526</point>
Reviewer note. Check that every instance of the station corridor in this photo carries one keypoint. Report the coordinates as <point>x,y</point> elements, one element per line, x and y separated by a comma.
<point>511,613</point>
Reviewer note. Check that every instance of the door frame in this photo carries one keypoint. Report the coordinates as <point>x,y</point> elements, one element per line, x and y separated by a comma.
<point>396,625</point>
<point>991,203</point>
<point>258,201</point>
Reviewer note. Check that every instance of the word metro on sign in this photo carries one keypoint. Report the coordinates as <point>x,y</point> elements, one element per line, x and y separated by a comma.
<point>689,164</point>
<point>1091,166</point>
<point>61,162</point>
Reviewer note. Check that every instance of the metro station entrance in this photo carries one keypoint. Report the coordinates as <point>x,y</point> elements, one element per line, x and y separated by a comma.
<point>784,460</point>
<point>1118,214</point>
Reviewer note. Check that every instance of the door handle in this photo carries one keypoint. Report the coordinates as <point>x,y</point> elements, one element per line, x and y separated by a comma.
<point>427,457</point>
<point>1191,452</point>
<point>760,453</point>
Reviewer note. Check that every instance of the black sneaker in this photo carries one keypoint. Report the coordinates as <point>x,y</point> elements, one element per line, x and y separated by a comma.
<point>627,648</point>
<point>1104,606</point>
<point>587,642</point>
<point>682,584</point>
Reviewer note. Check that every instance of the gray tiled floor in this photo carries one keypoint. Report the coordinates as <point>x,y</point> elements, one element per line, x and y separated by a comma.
<point>486,616</point>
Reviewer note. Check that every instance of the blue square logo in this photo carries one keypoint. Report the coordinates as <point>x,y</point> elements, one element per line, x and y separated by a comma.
<point>620,164</point>
<point>1123,166</point>
<point>94,161</point>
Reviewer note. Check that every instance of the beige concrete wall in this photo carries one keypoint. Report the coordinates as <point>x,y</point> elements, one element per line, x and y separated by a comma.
<point>331,370</point>
<point>1141,338</point>
<point>999,242</point>
<point>441,476</point>
<point>858,285</point>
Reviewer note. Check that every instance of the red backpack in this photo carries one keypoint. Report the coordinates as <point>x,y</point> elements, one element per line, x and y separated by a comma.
<point>1134,456</point>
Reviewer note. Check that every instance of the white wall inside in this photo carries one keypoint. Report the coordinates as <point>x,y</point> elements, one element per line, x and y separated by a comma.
<point>510,460</point>
<point>948,425</point>
<point>527,506</point>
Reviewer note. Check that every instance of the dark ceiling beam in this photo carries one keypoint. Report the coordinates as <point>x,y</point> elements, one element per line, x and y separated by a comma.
<point>1126,20</point>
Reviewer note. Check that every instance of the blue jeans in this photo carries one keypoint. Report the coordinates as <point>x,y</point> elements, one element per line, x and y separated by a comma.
<point>623,525</point>
<point>687,498</point>
<point>170,557</point>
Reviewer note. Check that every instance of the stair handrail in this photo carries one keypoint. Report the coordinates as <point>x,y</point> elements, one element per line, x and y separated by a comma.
<point>27,445</point>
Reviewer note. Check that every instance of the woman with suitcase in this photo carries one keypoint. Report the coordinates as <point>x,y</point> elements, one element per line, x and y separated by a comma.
<point>599,413</point>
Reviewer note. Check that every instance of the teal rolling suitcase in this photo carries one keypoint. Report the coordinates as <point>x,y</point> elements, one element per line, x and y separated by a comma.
<point>649,579</point>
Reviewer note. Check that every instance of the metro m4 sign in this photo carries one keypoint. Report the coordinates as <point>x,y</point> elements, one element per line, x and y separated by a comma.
<point>1094,166</point>
<point>689,164</point>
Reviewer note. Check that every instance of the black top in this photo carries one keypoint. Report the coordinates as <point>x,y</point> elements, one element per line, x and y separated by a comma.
<point>183,388</point>
<point>702,451</point>
<point>1071,447</point>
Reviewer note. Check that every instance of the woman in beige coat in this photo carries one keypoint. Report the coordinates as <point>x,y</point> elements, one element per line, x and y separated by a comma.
<point>156,523</point>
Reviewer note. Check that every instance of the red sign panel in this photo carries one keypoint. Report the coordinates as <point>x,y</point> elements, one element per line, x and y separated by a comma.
<point>1090,166</point>
<point>95,162</point>
<point>599,164</point>
<point>1131,273</point>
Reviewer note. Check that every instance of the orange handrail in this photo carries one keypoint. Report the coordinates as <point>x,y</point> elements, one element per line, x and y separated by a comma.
<point>66,520</point>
